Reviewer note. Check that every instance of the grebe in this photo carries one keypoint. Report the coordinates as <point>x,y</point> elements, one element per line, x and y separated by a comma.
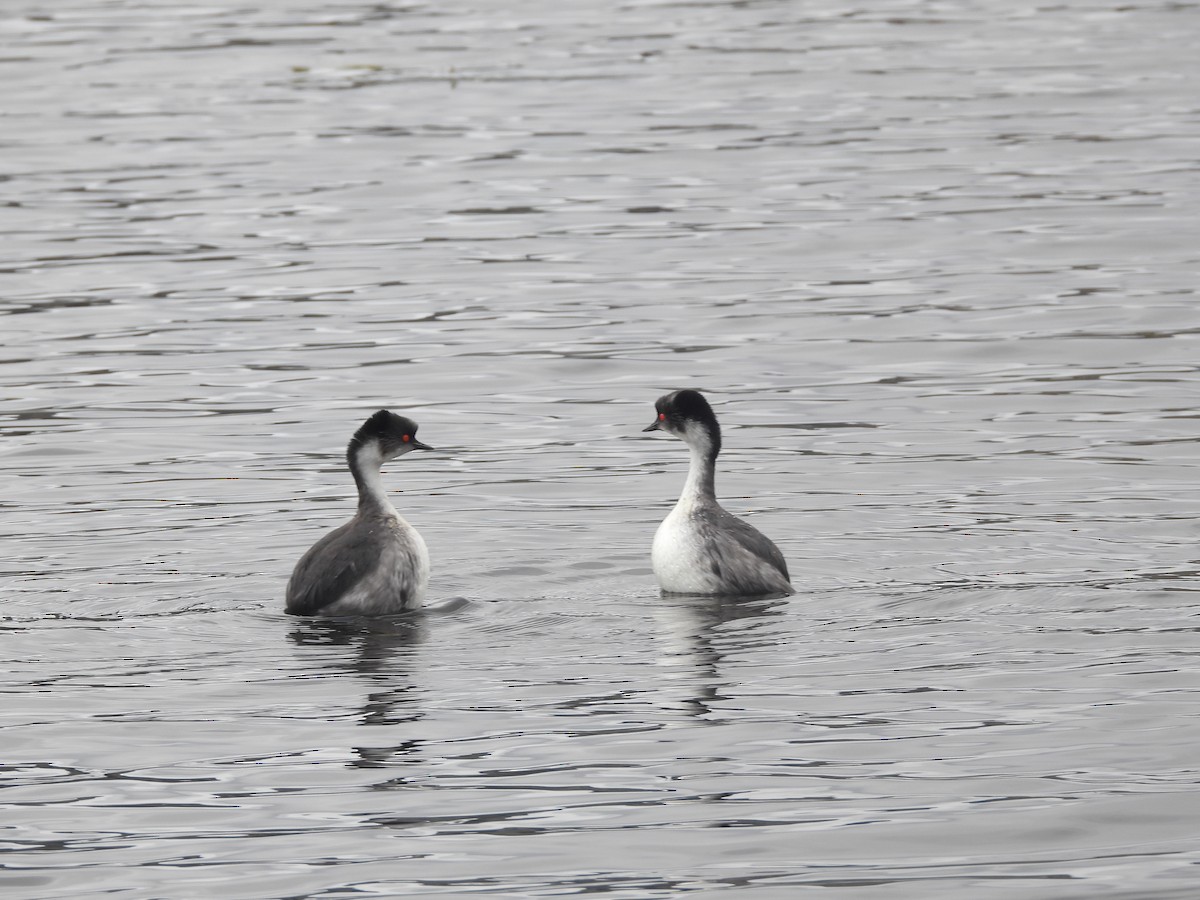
<point>700,547</point>
<point>376,563</point>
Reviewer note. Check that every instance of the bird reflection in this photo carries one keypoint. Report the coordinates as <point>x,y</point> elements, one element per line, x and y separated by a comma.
<point>384,652</point>
<point>690,631</point>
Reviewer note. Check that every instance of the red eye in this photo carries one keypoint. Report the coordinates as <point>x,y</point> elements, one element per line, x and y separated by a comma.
<point>406,438</point>
<point>662,417</point>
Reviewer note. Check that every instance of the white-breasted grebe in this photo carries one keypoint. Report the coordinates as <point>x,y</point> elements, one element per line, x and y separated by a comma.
<point>700,547</point>
<point>376,563</point>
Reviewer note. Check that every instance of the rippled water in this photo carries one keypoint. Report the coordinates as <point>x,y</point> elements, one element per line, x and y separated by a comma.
<point>934,263</point>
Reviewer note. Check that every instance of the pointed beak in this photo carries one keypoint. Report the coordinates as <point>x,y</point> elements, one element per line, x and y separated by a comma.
<point>418,445</point>
<point>653,426</point>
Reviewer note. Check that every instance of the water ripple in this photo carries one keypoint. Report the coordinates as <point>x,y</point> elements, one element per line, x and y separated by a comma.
<point>935,269</point>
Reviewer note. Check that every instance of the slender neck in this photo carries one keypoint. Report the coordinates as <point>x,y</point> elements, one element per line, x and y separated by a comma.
<point>365,460</point>
<point>701,476</point>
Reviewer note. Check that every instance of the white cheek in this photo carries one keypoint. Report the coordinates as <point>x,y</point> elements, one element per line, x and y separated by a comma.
<point>697,436</point>
<point>370,455</point>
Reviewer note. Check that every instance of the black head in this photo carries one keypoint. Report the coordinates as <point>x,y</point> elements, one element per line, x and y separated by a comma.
<point>686,414</point>
<point>390,433</point>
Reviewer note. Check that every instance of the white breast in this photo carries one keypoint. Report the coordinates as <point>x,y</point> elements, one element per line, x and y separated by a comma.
<point>678,556</point>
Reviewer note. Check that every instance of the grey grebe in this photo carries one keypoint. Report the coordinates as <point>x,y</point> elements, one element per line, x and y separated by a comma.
<point>701,548</point>
<point>376,563</point>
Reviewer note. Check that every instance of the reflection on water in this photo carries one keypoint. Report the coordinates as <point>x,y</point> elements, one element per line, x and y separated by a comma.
<point>935,267</point>
<point>383,652</point>
<point>694,646</point>
<point>379,644</point>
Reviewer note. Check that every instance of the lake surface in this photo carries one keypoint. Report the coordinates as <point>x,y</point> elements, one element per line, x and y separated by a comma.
<point>935,266</point>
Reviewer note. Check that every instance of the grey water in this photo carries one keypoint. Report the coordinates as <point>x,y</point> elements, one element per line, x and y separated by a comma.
<point>934,263</point>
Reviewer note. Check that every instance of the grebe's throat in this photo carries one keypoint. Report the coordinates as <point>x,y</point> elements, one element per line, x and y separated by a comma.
<point>365,461</point>
<point>703,448</point>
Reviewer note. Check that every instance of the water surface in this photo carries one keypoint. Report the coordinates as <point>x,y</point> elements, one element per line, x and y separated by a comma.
<point>935,267</point>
